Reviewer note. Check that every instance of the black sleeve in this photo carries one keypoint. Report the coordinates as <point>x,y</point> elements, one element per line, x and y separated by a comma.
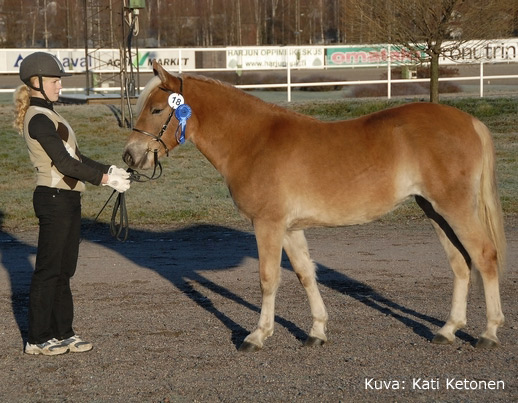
<point>42,129</point>
<point>94,164</point>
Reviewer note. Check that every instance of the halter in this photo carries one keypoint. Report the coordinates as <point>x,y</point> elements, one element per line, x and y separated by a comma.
<point>182,112</point>
<point>181,124</point>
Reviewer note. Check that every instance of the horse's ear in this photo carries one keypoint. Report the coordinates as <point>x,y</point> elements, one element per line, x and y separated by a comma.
<point>155,64</point>
<point>158,70</point>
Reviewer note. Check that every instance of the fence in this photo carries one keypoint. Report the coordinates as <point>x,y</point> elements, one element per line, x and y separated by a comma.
<point>286,60</point>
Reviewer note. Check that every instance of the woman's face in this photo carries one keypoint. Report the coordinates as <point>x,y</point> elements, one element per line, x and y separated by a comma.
<point>51,85</point>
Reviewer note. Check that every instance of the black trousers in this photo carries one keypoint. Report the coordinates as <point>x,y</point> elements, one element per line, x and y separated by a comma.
<point>51,308</point>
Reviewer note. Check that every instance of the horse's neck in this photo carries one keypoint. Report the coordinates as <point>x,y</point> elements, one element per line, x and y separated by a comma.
<point>227,122</point>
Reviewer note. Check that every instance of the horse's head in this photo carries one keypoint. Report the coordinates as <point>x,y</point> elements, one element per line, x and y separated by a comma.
<point>158,128</point>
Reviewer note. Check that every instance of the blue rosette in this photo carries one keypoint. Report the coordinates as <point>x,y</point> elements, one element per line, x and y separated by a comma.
<point>182,113</point>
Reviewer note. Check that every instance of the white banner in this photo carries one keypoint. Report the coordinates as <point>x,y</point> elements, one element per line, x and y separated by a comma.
<point>102,61</point>
<point>267,57</point>
<point>262,57</point>
<point>494,51</point>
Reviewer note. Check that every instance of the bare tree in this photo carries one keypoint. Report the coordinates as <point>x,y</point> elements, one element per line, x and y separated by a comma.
<point>433,27</point>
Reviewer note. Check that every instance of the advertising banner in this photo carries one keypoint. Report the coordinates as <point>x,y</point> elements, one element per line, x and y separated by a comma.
<point>104,60</point>
<point>494,51</point>
<point>267,57</point>
<point>373,55</point>
<point>270,57</point>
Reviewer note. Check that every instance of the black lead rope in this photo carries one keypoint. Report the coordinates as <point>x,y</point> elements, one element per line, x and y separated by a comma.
<point>120,230</point>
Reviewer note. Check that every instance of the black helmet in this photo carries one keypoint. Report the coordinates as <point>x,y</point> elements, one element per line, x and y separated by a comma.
<point>41,64</point>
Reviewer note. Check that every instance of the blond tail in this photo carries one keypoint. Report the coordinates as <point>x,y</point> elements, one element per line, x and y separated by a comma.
<point>490,209</point>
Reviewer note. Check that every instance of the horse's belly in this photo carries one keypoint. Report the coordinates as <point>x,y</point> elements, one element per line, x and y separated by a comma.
<point>341,213</point>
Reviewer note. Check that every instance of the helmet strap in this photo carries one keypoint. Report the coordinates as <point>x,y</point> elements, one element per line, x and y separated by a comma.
<point>40,89</point>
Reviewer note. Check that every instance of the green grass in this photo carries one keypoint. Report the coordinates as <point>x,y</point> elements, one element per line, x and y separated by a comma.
<point>191,190</point>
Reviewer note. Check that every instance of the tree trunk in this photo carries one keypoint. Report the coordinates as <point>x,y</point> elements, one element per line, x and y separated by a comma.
<point>434,77</point>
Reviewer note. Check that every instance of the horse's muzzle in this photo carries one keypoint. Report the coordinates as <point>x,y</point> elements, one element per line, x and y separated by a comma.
<point>139,156</point>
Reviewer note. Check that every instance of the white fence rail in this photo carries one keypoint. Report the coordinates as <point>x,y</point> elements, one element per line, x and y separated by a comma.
<point>389,81</point>
<point>286,59</point>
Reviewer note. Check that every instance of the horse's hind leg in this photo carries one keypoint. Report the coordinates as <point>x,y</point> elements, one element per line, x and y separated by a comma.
<point>484,256</point>
<point>296,248</point>
<point>460,264</point>
<point>473,245</point>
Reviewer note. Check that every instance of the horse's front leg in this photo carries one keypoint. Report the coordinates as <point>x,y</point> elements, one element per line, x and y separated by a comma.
<point>269,244</point>
<point>296,248</point>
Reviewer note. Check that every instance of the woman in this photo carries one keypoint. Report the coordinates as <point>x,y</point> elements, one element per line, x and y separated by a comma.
<point>61,171</point>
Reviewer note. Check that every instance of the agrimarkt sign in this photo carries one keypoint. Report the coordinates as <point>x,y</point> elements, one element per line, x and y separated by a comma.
<point>103,60</point>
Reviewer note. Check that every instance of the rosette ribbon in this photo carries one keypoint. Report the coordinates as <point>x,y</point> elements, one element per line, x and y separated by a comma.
<point>182,113</point>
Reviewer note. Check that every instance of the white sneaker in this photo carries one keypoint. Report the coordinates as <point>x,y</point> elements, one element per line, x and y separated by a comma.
<point>50,347</point>
<point>75,344</point>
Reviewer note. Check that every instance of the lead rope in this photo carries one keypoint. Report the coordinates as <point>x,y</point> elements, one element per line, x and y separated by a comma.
<point>120,230</point>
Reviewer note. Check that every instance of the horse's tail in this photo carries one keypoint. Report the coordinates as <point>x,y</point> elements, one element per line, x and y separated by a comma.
<point>489,207</point>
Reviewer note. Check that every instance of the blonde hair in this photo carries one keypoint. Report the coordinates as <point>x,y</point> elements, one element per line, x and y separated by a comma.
<point>21,100</point>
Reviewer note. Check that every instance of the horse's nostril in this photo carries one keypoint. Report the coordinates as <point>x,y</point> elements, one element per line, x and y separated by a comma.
<point>127,158</point>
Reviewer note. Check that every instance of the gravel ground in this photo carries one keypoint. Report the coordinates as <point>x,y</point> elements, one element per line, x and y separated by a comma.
<point>168,309</point>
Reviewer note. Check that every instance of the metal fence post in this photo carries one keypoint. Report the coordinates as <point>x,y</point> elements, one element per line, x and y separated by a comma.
<point>389,74</point>
<point>288,72</point>
<point>481,79</point>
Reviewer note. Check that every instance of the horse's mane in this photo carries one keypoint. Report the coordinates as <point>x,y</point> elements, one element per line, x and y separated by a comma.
<point>155,82</point>
<point>142,99</point>
<point>245,94</point>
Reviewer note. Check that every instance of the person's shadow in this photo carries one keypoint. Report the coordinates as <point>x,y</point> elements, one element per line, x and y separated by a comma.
<point>204,247</point>
<point>15,256</point>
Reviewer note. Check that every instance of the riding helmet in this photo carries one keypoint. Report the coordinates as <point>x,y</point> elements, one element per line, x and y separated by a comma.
<point>41,64</point>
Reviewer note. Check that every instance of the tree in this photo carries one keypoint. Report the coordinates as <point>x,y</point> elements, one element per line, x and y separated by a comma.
<point>433,27</point>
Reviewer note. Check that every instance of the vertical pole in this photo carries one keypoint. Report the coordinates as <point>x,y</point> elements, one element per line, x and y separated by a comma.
<point>122,52</point>
<point>481,79</point>
<point>288,71</point>
<point>389,74</point>
<point>137,87</point>
<point>86,49</point>
<point>46,33</point>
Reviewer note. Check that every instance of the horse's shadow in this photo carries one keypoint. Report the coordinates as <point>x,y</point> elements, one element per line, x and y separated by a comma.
<point>206,248</point>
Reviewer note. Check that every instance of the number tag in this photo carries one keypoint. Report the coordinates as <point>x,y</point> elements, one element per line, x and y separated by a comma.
<point>175,100</point>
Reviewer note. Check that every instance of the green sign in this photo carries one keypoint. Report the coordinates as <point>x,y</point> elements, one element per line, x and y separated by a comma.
<point>371,55</point>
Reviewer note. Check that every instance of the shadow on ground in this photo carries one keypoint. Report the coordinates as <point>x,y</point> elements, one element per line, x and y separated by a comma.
<point>203,247</point>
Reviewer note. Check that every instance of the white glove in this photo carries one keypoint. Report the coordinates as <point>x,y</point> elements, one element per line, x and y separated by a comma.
<point>118,171</point>
<point>118,182</point>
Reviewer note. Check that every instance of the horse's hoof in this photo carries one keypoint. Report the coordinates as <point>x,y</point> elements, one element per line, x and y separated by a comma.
<point>313,341</point>
<point>440,339</point>
<point>247,347</point>
<point>484,342</point>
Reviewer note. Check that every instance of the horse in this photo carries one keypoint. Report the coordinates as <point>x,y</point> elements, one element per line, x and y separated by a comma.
<point>287,172</point>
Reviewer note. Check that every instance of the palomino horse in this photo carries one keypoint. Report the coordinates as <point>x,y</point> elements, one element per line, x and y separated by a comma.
<point>287,172</point>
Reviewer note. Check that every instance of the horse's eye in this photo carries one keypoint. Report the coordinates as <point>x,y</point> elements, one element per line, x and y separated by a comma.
<point>156,111</point>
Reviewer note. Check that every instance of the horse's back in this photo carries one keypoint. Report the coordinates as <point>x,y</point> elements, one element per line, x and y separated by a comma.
<point>354,171</point>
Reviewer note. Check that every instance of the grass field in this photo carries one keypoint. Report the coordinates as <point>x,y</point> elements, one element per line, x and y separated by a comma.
<point>191,190</point>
